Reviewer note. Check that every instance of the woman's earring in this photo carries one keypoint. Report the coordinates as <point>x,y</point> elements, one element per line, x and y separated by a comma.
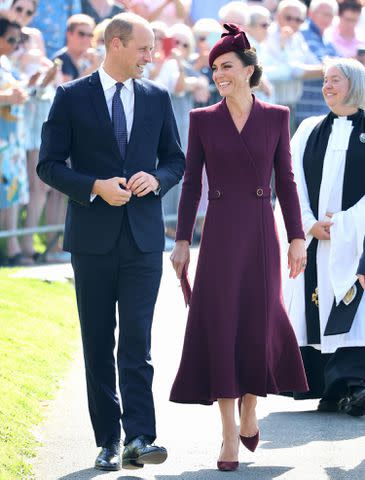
<point>247,79</point>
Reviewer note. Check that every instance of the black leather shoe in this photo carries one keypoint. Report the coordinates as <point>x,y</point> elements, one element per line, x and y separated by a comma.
<point>139,452</point>
<point>328,405</point>
<point>354,404</point>
<point>109,458</point>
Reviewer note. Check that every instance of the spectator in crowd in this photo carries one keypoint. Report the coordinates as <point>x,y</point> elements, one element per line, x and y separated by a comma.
<point>78,58</point>
<point>343,33</point>
<point>39,72</point>
<point>13,170</point>
<point>321,15</point>
<point>100,9</point>
<point>51,20</point>
<point>325,304</point>
<point>259,20</point>
<point>234,12</point>
<point>287,46</point>
<point>199,9</point>
<point>361,269</point>
<point>167,11</point>
<point>161,51</point>
<point>97,41</point>
<point>206,32</point>
<point>186,86</point>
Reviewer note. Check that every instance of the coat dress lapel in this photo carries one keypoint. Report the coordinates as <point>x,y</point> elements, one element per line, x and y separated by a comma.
<point>245,132</point>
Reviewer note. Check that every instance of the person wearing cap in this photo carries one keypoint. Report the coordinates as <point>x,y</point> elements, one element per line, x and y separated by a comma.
<point>238,343</point>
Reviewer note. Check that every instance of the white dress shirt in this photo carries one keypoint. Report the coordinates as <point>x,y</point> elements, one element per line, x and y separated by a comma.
<point>126,96</point>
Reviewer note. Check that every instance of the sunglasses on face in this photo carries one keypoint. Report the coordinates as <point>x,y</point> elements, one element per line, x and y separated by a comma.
<point>182,44</point>
<point>202,38</point>
<point>289,18</point>
<point>20,9</point>
<point>264,25</point>
<point>82,34</point>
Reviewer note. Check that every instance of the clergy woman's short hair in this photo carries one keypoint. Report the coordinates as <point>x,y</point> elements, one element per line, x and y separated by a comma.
<point>354,71</point>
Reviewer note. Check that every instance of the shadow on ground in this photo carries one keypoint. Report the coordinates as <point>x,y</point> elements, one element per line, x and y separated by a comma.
<point>244,471</point>
<point>357,473</point>
<point>90,473</point>
<point>291,429</point>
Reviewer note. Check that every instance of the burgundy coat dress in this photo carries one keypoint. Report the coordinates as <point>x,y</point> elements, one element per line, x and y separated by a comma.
<point>238,337</point>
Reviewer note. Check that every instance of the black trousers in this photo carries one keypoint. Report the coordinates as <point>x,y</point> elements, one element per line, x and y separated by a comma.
<point>331,375</point>
<point>129,279</point>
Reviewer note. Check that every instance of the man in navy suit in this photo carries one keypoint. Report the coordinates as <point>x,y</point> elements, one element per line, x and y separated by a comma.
<point>361,269</point>
<point>120,134</point>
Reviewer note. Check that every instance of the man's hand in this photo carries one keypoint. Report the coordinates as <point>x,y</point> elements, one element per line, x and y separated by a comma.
<point>297,257</point>
<point>142,183</point>
<point>180,257</point>
<point>362,280</point>
<point>110,191</point>
<point>321,230</point>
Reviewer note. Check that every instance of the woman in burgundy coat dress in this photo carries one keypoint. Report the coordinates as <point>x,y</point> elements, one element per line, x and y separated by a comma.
<point>238,341</point>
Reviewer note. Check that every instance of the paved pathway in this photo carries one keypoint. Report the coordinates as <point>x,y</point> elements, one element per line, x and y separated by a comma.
<point>297,442</point>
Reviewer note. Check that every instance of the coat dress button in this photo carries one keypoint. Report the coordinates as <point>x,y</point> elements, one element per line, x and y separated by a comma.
<point>217,194</point>
<point>259,192</point>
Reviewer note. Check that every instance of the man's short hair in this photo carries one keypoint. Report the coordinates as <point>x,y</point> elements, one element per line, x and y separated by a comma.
<point>256,13</point>
<point>317,3</point>
<point>79,19</point>
<point>6,24</point>
<point>121,26</point>
<point>293,3</point>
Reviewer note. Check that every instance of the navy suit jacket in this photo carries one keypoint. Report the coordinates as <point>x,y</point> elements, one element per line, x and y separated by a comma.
<point>79,127</point>
<point>361,269</point>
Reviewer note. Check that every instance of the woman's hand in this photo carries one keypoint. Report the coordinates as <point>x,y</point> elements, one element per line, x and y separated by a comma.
<point>321,230</point>
<point>297,257</point>
<point>180,257</point>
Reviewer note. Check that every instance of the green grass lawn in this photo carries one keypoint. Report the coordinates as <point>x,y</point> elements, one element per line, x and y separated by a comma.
<point>38,337</point>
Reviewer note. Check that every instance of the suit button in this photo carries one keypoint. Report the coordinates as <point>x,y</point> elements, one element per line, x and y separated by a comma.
<point>218,193</point>
<point>124,172</point>
<point>259,192</point>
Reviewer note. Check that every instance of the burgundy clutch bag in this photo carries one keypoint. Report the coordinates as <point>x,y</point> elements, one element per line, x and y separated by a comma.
<point>185,287</point>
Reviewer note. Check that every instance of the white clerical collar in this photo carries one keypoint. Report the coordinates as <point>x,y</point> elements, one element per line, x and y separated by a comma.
<point>108,82</point>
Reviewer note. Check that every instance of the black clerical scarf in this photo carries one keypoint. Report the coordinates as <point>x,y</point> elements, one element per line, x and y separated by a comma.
<point>353,191</point>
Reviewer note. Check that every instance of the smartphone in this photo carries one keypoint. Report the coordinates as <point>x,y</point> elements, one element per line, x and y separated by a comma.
<point>168,44</point>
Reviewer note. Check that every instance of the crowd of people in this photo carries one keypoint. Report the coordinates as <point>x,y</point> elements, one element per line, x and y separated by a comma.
<point>45,43</point>
<point>123,135</point>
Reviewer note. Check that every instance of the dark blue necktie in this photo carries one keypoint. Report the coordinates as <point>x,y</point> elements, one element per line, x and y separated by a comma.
<point>119,121</point>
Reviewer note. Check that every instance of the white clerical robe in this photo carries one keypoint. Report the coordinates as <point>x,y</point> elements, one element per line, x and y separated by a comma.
<point>338,258</point>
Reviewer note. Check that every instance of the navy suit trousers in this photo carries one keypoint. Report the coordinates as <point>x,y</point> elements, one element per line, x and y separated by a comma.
<point>130,279</point>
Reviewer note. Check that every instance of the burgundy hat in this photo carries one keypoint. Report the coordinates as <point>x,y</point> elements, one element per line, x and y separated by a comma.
<point>231,41</point>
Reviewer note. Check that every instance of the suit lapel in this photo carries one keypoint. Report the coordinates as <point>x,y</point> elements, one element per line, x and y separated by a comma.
<point>98,100</point>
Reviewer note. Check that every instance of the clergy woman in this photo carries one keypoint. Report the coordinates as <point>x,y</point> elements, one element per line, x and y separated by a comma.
<point>238,342</point>
<point>326,304</point>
